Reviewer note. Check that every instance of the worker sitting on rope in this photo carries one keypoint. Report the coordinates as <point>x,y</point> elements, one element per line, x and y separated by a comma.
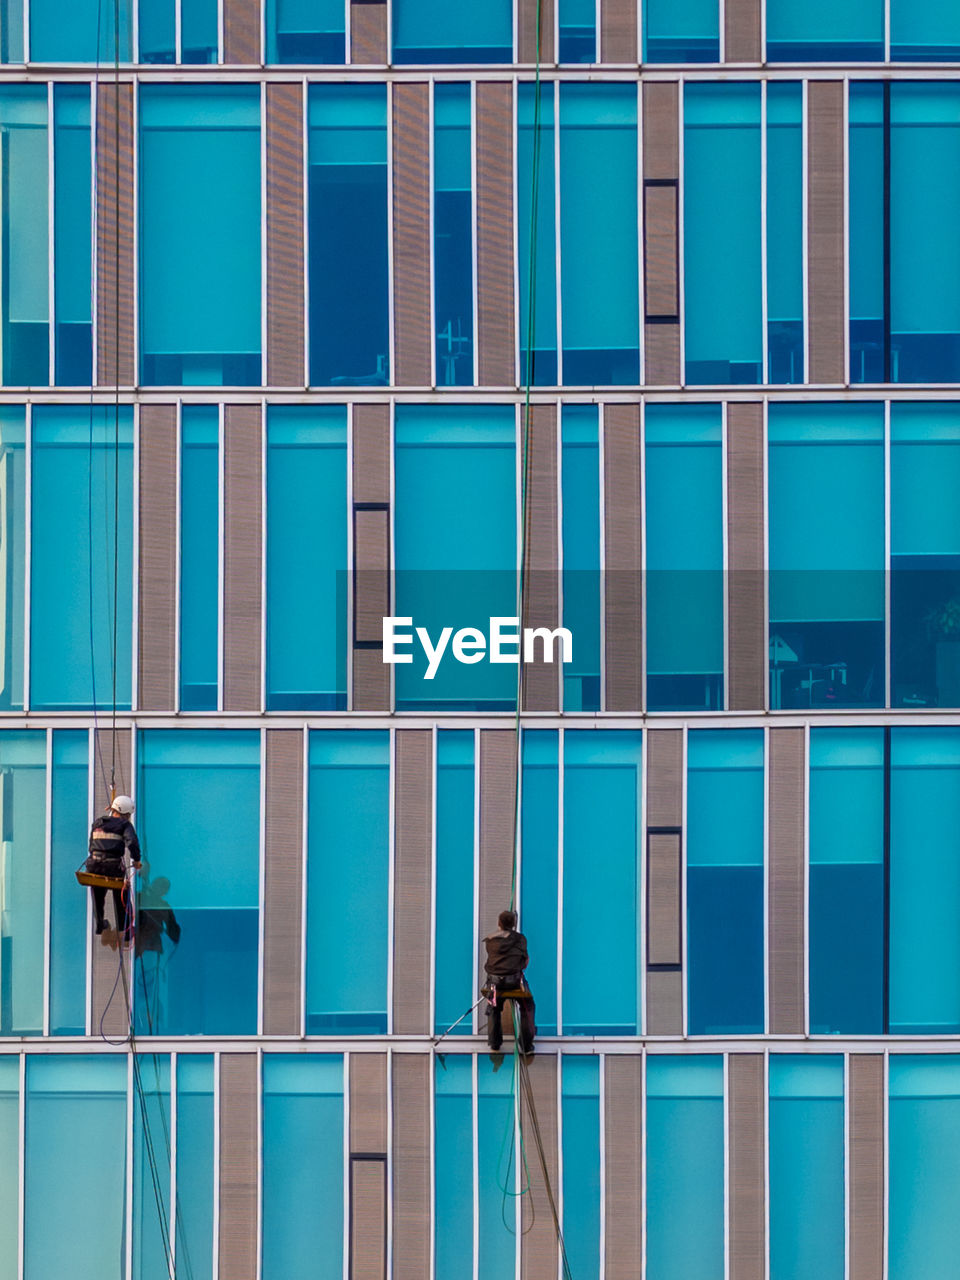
<point>112,838</point>
<point>506,960</point>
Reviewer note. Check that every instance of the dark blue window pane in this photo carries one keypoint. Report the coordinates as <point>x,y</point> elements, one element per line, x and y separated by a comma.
<point>24,299</point>
<point>822,31</point>
<point>869,338</point>
<point>23,759</point>
<point>453,234</point>
<point>453,1158</point>
<point>305,31</point>
<point>71,234</point>
<point>924,31</point>
<point>454,982</point>
<point>537,233</point>
<point>157,31</point>
<point>577,25</point>
<point>68,909</point>
<point>688,31</point>
<point>199,37</point>
<point>539,866</point>
<point>195,1183</point>
<point>581,554</point>
<point>199,556</point>
<point>13,521</point>
<point>80,31</point>
<point>435,31</point>
<point>784,206</point>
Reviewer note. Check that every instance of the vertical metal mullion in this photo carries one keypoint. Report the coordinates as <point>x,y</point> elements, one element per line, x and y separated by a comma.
<point>94,284</point>
<point>806,879</point>
<point>305,212</point>
<point>221,549</point>
<point>128,1243</point>
<point>640,862</point>
<point>391,876</point>
<point>432,231</point>
<point>725,541</point>
<point>27,546</point>
<point>174,1207</point>
<point>389,1170</point>
<point>886,30</point>
<point>643,1162</point>
<point>391,299</point>
<point>264,371</point>
<point>805,224</point>
<point>886,232</point>
<point>846,1166</point>
<point>264,514</point>
<point>561,784</point>
<point>135,282</point>
<point>726,1166</point>
<point>351,408</point>
<point>681,210</point>
<point>21,1163</point>
<point>886,1163</point>
<point>684,966</point>
<point>475,1099</point>
<point>215,1269</point>
<point>259,1107</point>
<point>47,876</point>
<point>558,1102</point>
<point>887,561</point>
<point>475,248</point>
<point>391,589</point>
<point>557,239</point>
<point>178,32</point>
<point>766,878</point>
<point>261,874</point>
<point>432,977</point>
<point>91,792</point>
<point>602,1101</point>
<point>135,566</point>
<point>221,56</point>
<point>558,537</point>
<point>764,266</point>
<point>765,1140</point>
<point>519,374</point>
<point>51,240</point>
<point>602,510</point>
<point>765,533</point>
<point>304,869</point>
<point>346,1149</point>
<point>178,544</point>
<point>432,1157</point>
<point>887,787</point>
<point>475,1016</point>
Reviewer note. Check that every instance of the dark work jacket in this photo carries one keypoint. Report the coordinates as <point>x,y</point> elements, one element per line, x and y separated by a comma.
<point>112,835</point>
<point>506,954</point>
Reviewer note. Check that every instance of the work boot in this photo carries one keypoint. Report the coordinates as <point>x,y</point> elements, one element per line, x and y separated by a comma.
<point>100,926</point>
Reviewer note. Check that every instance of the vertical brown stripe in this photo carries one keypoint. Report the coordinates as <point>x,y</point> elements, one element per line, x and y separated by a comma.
<point>664,1009</point>
<point>663,901</point>
<point>283,872</point>
<point>661,282</point>
<point>825,158</point>
<point>496,340</point>
<point>411,1166</point>
<point>622,568</point>
<point>623,1142</point>
<point>747,1167</point>
<point>661,355</point>
<point>661,130</point>
<point>538,1246</point>
<point>368,1219</point>
<point>527,11</point>
<point>371,483</point>
<point>241,557</point>
<point>741,31</point>
<point>664,777</point>
<point>745,577</point>
<point>866,1119</point>
<point>411,922</point>
<point>661,165</point>
<point>105,1003</point>
<point>368,34</point>
<point>371,559</point>
<point>368,1103</point>
<point>786,881</point>
<point>285,269</point>
<point>116,187</point>
<point>618,31</point>
<point>238,1166</point>
<point>411,233</point>
<point>541,602</point>
<point>498,785</point>
<point>241,32</point>
<point>157,627</point>
<point>112,752</point>
<point>664,1002</point>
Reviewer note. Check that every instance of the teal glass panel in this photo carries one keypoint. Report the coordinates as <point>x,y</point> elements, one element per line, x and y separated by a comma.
<point>539,867</point>
<point>195,1186</point>
<point>725,910</point>
<point>72,186</point>
<point>580,1100</point>
<point>722,233</point>
<point>23,804</point>
<point>69,828</point>
<point>207,984</point>
<point>869,327</point>
<point>306,558</point>
<point>13,528</point>
<point>601,847</point>
<point>453,234</point>
<point>306,31</point>
<point>11,30</point>
<point>688,31</point>
<point>455,548</point>
<point>599,286</point>
<point>151,1166</point>
<point>924,881</point>
<point>925,554</point>
<point>199,35</point>
<point>924,1136</point>
<point>806,1167</point>
<point>199,556</point>
<point>784,231</point>
<point>499,1181</point>
<point>924,31</point>
<point>537,233</point>
<point>684,545</point>
<point>10,1164</point>
<point>454,981</point>
<point>685,1168</point>
<point>846,893</point>
<point>453,1166</point>
<point>157,31</point>
<point>430,31</point>
<point>200,231</point>
<point>577,28</point>
<point>347,230</point>
<point>80,31</point>
<point>24,228</point>
<point>82,462</point>
<point>820,31</point>
<point>73,1221</point>
<point>826,558</point>
<point>580,485</point>
<point>348,870</point>
<point>302,1164</point>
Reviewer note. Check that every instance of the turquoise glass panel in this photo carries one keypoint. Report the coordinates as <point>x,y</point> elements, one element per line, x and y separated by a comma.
<point>24,224</point>
<point>684,545</point>
<point>580,1101</point>
<point>82,461</point>
<point>151,1166</point>
<point>598,234</point>
<point>157,31</point>
<point>431,31</point>
<point>306,31</point>
<point>199,556</point>
<point>806,1167</point>
<point>453,1166</point>
<point>784,231</point>
<point>869,327</point>
<point>207,984</point>
<point>924,881</point>
<point>199,35</point>
<point>13,528</point>
<point>69,828</point>
<point>80,31</point>
<point>722,233</point>
<point>200,251</point>
<point>9,1164</point>
<point>74,1222</point>
<point>11,31</point>
<point>688,31</point>
<point>453,234</point>
<point>685,1168</point>
<point>498,1179</point>
<point>826,558</point>
<point>347,231</point>
<point>846,893</point>
<point>577,30</point>
<point>820,31</point>
<point>195,1186</point>
<point>725,908</point>
<point>601,847</point>
<point>537,233</point>
<point>924,31</point>
<point>302,1164</point>
<point>23,758</point>
<point>306,558</point>
<point>539,868</point>
<point>348,869</point>
<point>72,304</point>
<point>580,485</point>
<point>454,981</point>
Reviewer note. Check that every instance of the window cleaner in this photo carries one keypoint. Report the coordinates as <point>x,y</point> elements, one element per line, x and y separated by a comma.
<point>505,963</point>
<point>114,854</point>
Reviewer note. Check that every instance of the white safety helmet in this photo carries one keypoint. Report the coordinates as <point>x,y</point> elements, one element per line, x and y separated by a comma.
<point>124,805</point>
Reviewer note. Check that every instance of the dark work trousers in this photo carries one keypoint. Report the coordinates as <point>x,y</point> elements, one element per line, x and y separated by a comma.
<point>525,1009</point>
<point>99,899</point>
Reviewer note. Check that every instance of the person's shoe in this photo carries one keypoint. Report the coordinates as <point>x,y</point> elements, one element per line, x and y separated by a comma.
<point>100,926</point>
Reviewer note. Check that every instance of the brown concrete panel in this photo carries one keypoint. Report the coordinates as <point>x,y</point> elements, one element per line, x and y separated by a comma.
<point>157,599</point>
<point>285,233</point>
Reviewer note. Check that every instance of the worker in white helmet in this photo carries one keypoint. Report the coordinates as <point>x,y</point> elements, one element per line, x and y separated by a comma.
<point>113,840</point>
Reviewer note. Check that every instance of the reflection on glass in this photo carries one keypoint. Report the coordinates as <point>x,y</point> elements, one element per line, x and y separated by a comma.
<point>453,234</point>
<point>23,758</point>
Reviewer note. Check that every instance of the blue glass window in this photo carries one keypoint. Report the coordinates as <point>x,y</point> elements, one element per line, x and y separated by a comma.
<point>199,557</point>
<point>806,1167</point>
<point>11,30</point>
<point>13,521</point>
<point>784,231</point>
<point>157,31</point>
<point>348,871</point>
<point>151,1167</point>
<point>685,1168</point>
<point>72,306</point>
<point>600,293</point>
<point>601,847</point>
<point>827,557</point>
<point>302,1164</point>
<point>846,909</point>
<point>577,26</point>
<point>23,759</point>
<point>347,231</point>
<point>924,31</point>
<point>453,234</point>
<point>455,977</point>
<point>580,1098</point>
<point>306,31</point>
<point>453,1151</point>
<point>306,544</point>
<point>80,31</point>
<point>199,31</point>
<point>869,235</point>
<point>25,298</point>
<point>456,546</point>
<point>537,233</point>
<point>195,1185</point>
<point>200,234</point>
<point>580,485</point>
<point>821,31</point>
<point>688,31</point>
<point>496,1169</point>
<point>208,985</point>
<point>432,31</point>
<point>684,543</point>
<point>539,866</point>
<point>10,1164</point>
<point>82,458</point>
<point>68,908</point>
<point>722,233</point>
<point>725,911</point>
